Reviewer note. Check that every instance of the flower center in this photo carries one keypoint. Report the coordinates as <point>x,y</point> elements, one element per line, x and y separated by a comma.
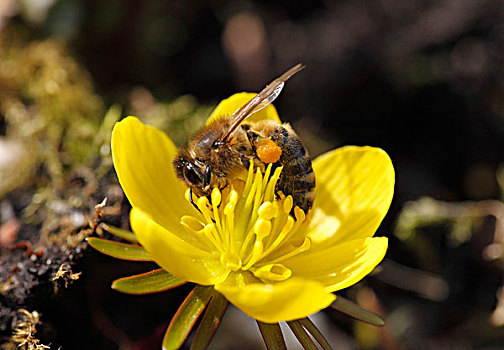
<point>249,227</point>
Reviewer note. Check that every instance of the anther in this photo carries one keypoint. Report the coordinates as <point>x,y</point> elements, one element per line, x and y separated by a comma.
<point>216,197</point>
<point>287,204</point>
<point>262,228</point>
<point>267,211</point>
<point>299,214</point>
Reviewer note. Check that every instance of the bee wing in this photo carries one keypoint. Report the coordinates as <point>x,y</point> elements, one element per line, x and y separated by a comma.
<point>267,100</point>
<point>262,99</point>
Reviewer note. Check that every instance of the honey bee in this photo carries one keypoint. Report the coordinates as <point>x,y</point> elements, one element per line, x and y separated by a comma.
<point>223,149</point>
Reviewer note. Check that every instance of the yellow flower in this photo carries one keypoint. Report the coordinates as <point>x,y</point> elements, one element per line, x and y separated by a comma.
<point>244,242</point>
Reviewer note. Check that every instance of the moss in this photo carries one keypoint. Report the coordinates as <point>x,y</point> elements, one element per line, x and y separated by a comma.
<point>55,165</point>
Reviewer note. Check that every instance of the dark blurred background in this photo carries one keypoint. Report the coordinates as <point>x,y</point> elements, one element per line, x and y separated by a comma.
<point>424,80</point>
<point>421,79</point>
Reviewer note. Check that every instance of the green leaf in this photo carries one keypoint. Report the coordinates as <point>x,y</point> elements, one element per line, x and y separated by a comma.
<point>351,309</point>
<point>127,235</point>
<point>314,331</point>
<point>272,335</point>
<point>210,322</point>
<point>301,335</point>
<point>150,282</point>
<point>117,250</point>
<point>186,316</point>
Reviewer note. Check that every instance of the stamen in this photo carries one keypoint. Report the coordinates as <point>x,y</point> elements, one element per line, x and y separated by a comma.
<point>287,204</point>
<point>292,248</point>
<point>257,252</point>
<point>267,211</point>
<point>269,193</point>
<point>248,225</point>
<point>216,197</point>
<point>216,200</point>
<point>233,197</point>
<point>266,177</point>
<point>247,211</point>
<point>262,229</point>
<point>229,213</point>
<point>278,223</point>
<point>250,175</point>
<point>299,214</point>
<point>258,198</point>
<point>202,204</point>
<point>211,233</point>
<point>286,230</point>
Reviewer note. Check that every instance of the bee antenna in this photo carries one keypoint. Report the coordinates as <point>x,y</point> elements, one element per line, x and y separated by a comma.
<point>268,94</point>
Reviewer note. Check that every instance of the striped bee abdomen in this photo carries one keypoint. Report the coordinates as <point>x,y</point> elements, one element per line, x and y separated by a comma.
<point>297,178</point>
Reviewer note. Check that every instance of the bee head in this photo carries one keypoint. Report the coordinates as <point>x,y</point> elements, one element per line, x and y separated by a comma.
<point>194,173</point>
<point>207,160</point>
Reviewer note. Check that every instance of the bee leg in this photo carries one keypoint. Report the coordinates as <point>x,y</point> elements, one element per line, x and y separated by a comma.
<point>206,183</point>
<point>192,201</point>
<point>208,176</point>
<point>209,197</point>
<point>194,204</point>
<point>252,137</point>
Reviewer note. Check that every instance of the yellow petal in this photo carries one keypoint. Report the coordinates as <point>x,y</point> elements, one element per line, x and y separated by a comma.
<point>230,105</point>
<point>340,266</point>
<point>175,255</point>
<point>354,189</point>
<point>143,158</point>
<point>282,301</point>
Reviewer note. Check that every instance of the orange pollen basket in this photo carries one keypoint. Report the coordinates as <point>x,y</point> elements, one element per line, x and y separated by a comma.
<point>268,151</point>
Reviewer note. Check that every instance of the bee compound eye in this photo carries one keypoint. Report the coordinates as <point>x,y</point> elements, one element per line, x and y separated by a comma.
<point>192,174</point>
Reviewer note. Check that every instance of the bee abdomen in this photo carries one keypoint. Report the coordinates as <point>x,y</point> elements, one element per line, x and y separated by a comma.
<point>297,178</point>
